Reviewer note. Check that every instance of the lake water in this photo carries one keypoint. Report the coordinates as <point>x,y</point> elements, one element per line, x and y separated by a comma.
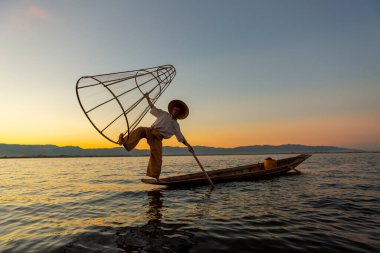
<point>100,205</point>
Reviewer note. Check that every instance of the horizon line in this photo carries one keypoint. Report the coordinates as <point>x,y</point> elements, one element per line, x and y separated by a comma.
<point>259,145</point>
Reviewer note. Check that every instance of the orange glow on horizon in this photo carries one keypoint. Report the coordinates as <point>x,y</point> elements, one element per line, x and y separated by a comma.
<point>363,130</point>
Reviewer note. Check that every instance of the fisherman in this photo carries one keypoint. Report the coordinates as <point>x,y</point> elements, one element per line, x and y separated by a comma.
<point>164,127</point>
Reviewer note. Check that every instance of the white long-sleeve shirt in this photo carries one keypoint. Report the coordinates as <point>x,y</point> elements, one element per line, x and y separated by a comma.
<point>166,125</point>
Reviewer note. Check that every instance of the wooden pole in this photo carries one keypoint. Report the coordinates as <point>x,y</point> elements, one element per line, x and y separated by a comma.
<point>200,165</point>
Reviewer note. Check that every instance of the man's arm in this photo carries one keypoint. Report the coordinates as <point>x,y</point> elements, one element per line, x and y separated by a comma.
<point>146,95</point>
<point>188,145</point>
<point>181,138</point>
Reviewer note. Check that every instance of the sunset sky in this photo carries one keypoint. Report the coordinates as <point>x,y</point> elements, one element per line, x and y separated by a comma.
<point>252,72</point>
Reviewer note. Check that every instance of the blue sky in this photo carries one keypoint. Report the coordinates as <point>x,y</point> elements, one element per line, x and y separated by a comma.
<point>252,72</point>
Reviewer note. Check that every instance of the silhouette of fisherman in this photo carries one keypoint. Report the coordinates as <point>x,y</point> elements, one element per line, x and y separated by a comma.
<point>164,127</point>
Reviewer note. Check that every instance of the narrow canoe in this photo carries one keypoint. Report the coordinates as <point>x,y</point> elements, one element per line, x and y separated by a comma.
<point>241,173</point>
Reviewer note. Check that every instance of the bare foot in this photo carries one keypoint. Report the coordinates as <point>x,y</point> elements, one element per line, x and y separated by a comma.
<point>121,139</point>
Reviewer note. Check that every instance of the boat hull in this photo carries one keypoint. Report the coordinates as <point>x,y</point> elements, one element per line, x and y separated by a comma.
<point>241,173</point>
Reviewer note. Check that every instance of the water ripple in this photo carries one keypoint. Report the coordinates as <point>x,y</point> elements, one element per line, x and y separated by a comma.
<point>99,205</point>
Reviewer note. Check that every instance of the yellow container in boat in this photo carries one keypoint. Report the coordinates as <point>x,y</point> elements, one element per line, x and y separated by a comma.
<point>270,163</point>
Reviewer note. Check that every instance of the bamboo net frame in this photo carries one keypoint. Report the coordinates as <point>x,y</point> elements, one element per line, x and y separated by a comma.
<point>114,103</point>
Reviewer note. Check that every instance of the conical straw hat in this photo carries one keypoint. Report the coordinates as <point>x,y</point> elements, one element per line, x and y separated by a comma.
<point>180,104</point>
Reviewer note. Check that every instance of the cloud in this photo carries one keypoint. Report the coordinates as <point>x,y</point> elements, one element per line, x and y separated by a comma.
<point>36,12</point>
<point>29,18</point>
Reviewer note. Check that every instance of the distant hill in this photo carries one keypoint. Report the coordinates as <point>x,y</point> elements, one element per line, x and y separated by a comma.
<point>14,150</point>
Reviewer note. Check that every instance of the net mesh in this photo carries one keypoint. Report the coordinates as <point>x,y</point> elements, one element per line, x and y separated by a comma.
<point>114,102</point>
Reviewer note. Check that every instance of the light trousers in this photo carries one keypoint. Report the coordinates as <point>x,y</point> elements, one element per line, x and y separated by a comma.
<point>154,139</point>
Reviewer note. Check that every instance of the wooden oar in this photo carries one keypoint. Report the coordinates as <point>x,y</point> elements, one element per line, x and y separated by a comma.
<point>200,165</point>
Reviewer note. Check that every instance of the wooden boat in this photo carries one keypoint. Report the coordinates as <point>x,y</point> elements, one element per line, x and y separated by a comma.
<point>241,173</point>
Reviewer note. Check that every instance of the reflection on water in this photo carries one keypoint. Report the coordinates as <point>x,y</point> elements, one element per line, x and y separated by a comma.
<point>155,205</point>
<point>100,205</point>
<point>154,236</point>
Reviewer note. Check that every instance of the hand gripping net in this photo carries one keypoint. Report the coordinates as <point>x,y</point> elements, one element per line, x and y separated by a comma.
<point>113,103</point>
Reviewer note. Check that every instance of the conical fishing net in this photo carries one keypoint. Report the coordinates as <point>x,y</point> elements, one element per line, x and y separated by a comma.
<point>114,102</point>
